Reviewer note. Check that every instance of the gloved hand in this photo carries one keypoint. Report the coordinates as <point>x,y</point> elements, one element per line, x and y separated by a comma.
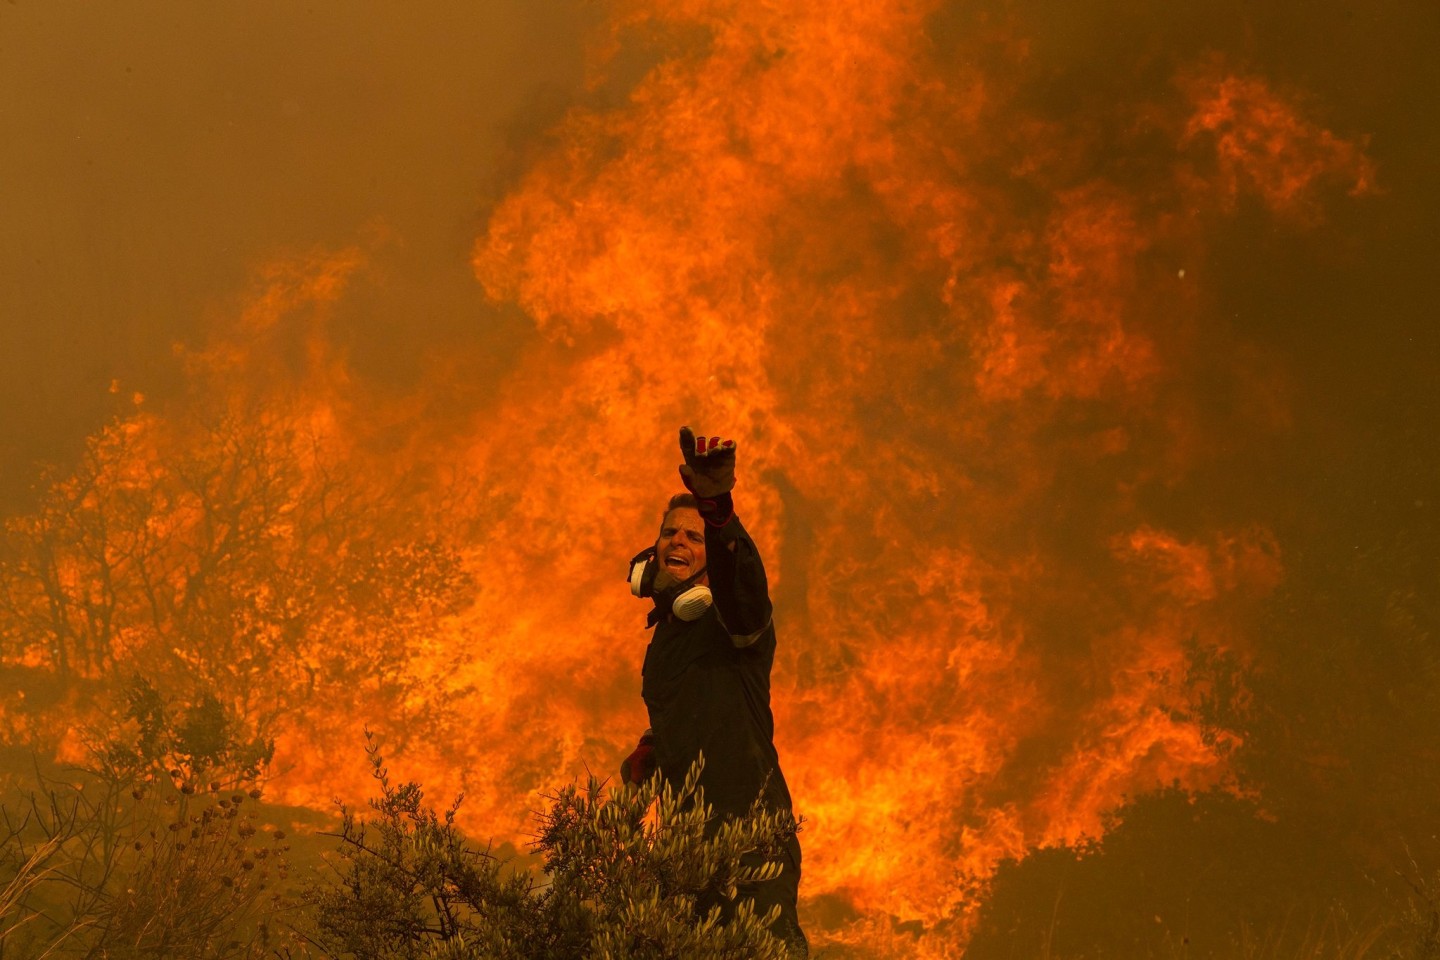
<point>637,768</point>
<point>709,473</point>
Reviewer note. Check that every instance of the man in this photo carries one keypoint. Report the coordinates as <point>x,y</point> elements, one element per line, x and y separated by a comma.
<point>706,678</point>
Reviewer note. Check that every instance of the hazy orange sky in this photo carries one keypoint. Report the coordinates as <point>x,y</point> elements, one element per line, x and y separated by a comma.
<point>154,152</point>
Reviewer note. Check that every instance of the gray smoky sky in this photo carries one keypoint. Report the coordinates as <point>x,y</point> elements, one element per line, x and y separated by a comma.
<point>154,152</point>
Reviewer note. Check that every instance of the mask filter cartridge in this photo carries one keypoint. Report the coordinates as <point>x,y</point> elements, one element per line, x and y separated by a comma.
<point>692,604</point>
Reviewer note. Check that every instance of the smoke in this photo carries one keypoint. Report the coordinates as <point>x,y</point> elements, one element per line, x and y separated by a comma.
<point>155,154</point>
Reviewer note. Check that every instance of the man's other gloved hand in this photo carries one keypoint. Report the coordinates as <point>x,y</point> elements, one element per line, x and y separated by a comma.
<point>709,473</point>
<point>637,768</point>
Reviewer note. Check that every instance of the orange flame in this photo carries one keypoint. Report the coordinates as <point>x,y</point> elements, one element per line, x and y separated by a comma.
<point>793,231</point>
<point>952,340</point>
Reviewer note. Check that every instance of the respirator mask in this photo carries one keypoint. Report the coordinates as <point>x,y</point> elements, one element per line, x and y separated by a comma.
<point>687,599</point>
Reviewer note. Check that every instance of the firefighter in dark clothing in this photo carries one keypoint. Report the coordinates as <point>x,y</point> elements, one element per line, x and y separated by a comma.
<point>706,678</point>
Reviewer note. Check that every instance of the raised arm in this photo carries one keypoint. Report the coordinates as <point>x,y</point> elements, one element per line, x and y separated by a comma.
<point>737,577</point>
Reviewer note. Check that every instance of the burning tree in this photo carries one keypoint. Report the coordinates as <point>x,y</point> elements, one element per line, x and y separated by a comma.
<point>222,553</point>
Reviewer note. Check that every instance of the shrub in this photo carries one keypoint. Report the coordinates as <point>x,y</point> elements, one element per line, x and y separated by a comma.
<point>624,872</point>
<point>154,852</point>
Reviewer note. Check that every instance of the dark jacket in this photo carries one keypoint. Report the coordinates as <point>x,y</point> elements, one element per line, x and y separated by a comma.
<point>706,694</point>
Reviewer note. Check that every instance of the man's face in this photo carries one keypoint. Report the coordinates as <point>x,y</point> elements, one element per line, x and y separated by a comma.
<point>680,550</point>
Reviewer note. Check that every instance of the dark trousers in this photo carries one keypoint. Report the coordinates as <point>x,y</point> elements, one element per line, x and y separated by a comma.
<point>783,891</point>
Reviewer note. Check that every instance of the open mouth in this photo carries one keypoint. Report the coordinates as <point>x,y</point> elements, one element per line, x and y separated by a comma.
<point>676,563</point>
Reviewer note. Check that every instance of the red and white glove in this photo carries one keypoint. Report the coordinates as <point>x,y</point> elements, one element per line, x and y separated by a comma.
<point>709,473</point>
<point>640,765</point>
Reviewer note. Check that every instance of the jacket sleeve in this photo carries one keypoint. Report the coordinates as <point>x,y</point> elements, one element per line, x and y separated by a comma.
<point>737,582</point>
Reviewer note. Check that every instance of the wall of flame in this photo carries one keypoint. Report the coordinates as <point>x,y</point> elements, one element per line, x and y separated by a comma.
<point>966,344</point>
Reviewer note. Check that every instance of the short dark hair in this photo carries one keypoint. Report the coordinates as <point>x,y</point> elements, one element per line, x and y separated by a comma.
<point>677,502</point>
